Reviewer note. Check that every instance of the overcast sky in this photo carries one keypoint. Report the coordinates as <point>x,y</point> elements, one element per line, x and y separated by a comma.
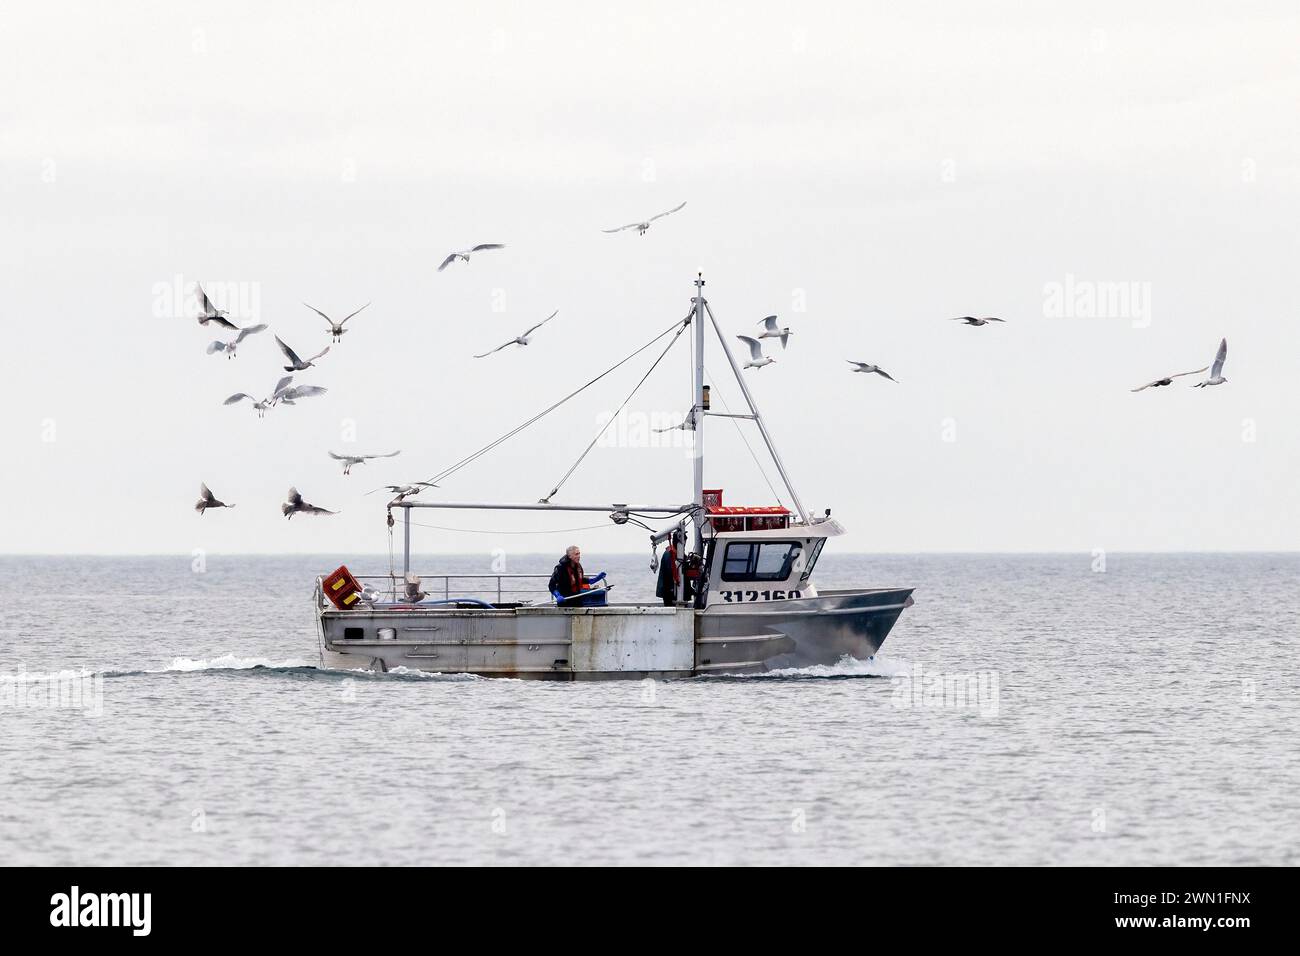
<point>864,171</point>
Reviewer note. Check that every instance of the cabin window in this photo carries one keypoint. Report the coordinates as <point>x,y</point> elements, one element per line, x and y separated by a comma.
<point>812,560</point>
<point>759,560</point>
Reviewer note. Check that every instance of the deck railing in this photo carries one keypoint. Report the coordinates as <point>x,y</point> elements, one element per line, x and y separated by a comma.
<point>505,587</point>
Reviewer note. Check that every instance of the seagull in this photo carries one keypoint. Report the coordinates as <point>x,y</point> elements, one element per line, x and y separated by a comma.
<point>756,357</point>
<point>336,328</point>
<point>464,254</point>
<point>971,320</point>
<point>641,227</point>
<point>298,364</point>
<point>229,347</point>
<point>864,367</point>
<point>1216,370</point>
<point>296,504</point>
<point>350,460</point>
<point>1168,379</point>
<point>261,405</point>
<point>210,313</point>
<point>404,491</point>
<point>522,339</point>
<point>208,500</point>
<point>773,331</point>
<point>289,396</point>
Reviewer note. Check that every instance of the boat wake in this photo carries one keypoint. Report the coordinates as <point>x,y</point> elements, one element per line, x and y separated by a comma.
<point>846,668</point>
<point>234,665</point>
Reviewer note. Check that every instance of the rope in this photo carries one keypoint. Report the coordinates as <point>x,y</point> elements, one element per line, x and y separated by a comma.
<point>452,469</point>
<point>574,467</point>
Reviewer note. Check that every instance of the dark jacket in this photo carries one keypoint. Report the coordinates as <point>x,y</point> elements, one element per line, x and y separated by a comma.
<point>567,579</point>
<point>669,577</point>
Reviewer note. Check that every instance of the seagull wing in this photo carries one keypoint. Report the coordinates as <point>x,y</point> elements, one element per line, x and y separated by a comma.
<point>321,314</point>
<point>294,498</point>
<point>316,510</point>
<point>448,261</point>
<point>320,354</point>
<point>1219,359</point>
<point>224,323</point>
<point>306,391</point>
<point>338,457</point>
<point>366,306</point>
<point>668,213</point>
<point>391,454</point>
<point>281,385</point>
<point>205,494</point>
<point>251,330</point>
<point>208,308</point>
<point>769,324</point>
<point>495,350</point>
<point>755,347</point>
<point>289,353</point>
<point>630,225</point>
<point>990,318</point>
<point>484,246</point>
<point>881,371</point>
<point>239,397</point>
<point>216,347</point>
<point>540,324</point>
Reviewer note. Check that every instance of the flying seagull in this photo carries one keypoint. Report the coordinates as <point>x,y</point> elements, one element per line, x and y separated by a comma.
<point>864,367</point>
<point>289,396</point>
<point>971,320</point>
<point>756,357</point>
<point>464,254</point>
<point>208,500</point>
<point>1168,379</point>
<point>210,313</point>
<point>336,328</point>
<point>1216,370</point>
<point>298,365</point>
<point>260,405</point>
<point>641,227</point>
<point>229,347</point>
<point>295,504</point>
<point>521,339</point>
<point>404,491</point>
<point>350,460</point>
<point>773,331</point>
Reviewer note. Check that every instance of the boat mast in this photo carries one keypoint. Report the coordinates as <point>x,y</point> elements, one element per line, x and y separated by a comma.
<point>697,412</point>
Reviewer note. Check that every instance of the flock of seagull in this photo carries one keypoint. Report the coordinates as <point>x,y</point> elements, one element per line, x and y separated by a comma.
<point>286,393</point>
<point>773,330</point>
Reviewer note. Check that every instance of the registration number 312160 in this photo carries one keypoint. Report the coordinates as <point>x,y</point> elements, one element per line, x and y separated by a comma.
<point>739,596</point>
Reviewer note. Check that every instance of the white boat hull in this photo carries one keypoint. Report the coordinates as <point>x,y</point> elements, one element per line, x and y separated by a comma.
<point>618,641</point>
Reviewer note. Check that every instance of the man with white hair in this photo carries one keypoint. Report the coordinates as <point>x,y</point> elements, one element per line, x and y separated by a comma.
<point>568,579</point>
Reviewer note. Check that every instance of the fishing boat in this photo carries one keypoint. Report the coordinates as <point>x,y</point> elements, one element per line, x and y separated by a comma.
<point>742,600</point>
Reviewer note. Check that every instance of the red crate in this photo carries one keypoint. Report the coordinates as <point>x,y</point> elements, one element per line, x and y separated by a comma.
<point>342,588</point>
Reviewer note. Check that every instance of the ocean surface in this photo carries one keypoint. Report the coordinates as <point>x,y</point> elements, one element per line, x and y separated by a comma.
<point>1141,711</point>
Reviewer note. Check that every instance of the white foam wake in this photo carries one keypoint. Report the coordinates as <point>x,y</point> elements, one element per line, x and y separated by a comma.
<point>229,662</point>
<point>846,666</point>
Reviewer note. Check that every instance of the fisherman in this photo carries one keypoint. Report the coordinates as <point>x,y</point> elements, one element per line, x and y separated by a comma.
<point>670,578</point>
<point>569,579</point>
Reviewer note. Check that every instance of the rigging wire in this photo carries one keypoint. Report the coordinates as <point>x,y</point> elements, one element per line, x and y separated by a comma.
<point>450,470</point>
<point>603,428</point>
<point>740,431</point>
<point>590,527</point>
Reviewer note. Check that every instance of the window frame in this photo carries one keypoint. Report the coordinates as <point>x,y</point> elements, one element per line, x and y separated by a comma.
<point>813,554</point>
<point>794,548</point>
